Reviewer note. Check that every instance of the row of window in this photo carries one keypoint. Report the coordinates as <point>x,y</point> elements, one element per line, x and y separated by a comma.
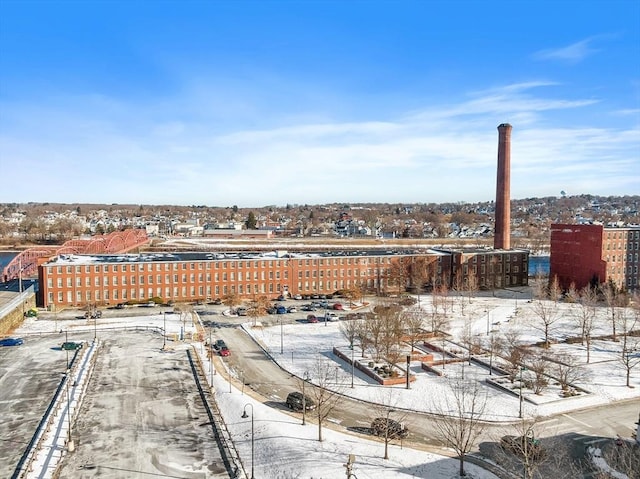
<point>635,234</point>
<point>631,258</point>
<point>192,292</point>
<point>625,246</point>
<point>172,266</point>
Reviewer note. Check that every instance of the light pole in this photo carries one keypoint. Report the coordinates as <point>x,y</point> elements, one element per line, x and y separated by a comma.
<point>210,354</point>
<point>520,411</point>
<point>244,416</point>
<point>488,321</point>
<point>281,338</point>
<point>164,330</point>
<point>70,444</point>
<point>352,366</point>
<point>304,398</point>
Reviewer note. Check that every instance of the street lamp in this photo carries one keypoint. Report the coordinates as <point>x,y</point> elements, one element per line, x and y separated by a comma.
<point>281,338</point>
<point>164,330</point>
<point>70,444</point>
<point>244,416</point>
<point>305,378</point>
<point>352,366</point>
<point>488,321</point>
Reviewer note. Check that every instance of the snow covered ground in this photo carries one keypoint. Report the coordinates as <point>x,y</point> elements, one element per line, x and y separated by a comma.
<point>304,345</point>
<point>283,448</point>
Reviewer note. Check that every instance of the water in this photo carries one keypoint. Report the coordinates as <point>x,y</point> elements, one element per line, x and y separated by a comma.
<point>539,264</point>
<point>6,257</point>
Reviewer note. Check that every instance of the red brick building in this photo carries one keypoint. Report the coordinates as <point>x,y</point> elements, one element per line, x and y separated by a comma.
<point>75,280</point>
<point>594,254</point>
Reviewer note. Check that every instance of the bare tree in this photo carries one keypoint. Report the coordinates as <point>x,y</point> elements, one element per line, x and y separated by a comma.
<point>258,307</point>
<point>610,292</point>
<point>630,357</point>
<point>572,293</point>
<point>555,291</point>
<point>231,300</point>
<point>386,405</point>
<point>413,322</point>
<point>540,379</point>
<point>548,315</point>
<point>389,320</point>
<point>568,370</point>
<point>494,345</point>
<point>458,417</point>
<point>325,393</point>
<point>362,334</point>
<point>459,287</point>
<point>514,352</point>
<point>523,454</point>
<point>585,315</point>
<point>472,284</point>
<point>349,330</point>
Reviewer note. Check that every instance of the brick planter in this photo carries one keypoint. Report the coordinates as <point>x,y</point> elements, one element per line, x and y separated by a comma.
<point>371,373</point>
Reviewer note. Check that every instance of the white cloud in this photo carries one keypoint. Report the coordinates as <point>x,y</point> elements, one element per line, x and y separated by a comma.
<point>445,153</point>
<point>574,53</point>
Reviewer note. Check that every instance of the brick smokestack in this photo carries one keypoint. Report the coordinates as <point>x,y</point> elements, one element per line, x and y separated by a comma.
<point>502,237</point>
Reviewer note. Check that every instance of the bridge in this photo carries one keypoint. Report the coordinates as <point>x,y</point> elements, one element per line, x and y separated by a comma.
<point>25,264</point>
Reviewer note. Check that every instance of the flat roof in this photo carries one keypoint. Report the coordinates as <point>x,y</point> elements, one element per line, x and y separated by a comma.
<point>75,259</point>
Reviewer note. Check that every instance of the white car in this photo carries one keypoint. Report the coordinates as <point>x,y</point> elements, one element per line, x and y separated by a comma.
<point>332,316</point>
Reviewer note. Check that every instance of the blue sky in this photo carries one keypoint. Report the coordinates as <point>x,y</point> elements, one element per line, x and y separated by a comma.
<point>259,103</point>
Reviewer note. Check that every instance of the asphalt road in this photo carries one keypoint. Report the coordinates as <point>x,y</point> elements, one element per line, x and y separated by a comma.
<point>572,431</point>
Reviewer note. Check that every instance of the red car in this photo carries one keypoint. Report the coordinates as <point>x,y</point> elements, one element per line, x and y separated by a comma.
<point>224,351</point>
<point>311,318</point>
<point>337,306</point>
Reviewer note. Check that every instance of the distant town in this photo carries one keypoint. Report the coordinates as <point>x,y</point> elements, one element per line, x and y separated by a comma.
<point>24,224</point>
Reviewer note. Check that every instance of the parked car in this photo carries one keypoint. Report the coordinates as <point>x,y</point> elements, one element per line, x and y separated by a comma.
<point>297,296</point>
<point>281,309</point>
<point>280,298</point>
<point>312,318</point>
<point>292,309</point>
<point>120,306</point>
<point>224,351</point>
<point>295,402</point>
<point>241,311</point>
<point>219,344</point>
<point>396,429</point>
<point>332,316</point>
<point>11,341</point>
<point>70,346</point>
<point>522,446</point>
<point>338,306</point>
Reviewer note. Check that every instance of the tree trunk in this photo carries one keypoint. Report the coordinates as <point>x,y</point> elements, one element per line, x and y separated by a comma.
<point>462,473</point>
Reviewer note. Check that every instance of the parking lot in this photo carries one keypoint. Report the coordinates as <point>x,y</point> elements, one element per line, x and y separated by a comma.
<point>29,376</point>
<point>142,412</point>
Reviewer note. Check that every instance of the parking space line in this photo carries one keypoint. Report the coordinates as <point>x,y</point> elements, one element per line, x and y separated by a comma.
<point>578,421</point>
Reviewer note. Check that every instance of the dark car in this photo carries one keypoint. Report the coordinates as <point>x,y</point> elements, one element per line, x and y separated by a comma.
<point>312,318</point>
<point>11,341</point>
<point>522,446</point>
<point>70,346</point>
<point>295,402</point>
<point>281,309</point>
<point>390,428</point>
<point>219,344</point>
